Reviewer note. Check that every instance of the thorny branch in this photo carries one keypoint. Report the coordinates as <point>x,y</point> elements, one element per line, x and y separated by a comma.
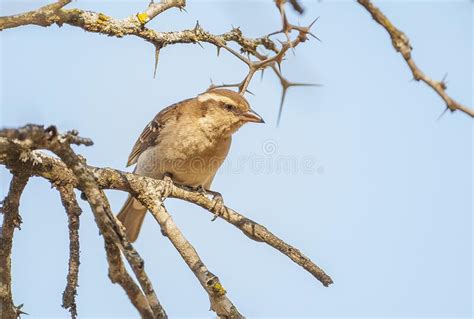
<point>401,43</point>
<point>135,25</point>
<point>17,153</point>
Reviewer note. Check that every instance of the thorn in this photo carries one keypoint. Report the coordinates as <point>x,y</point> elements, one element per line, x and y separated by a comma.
<point>197,26</point>
<point>218,51</point>
<point>312,23</point>
<point>309,28</point>
<point>279,65</point>
<point>274,33</point>
<point>20,312</point>
<point>212,86</point>
<point>261,75</point>
<point>444,77</point>
<point>157,57</point>
<point>443,82</point>
<point>278,60</point>
<point>183,9</point>
<point>199,43</point>
<point>305,84</point>
<point>282,101</point>
<point>315,37</point>
<point>442,114</point>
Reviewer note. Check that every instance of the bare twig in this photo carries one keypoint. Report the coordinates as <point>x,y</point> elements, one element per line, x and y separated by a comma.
<point>256,232</point>
<point>401,43</point>
<point>68,199</point>
<point>118,274</point>
<point>11,220</point>
<point>44,16</point>
<point>155,9</point>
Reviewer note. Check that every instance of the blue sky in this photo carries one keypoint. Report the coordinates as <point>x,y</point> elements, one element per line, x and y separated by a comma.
<point>381,196</point>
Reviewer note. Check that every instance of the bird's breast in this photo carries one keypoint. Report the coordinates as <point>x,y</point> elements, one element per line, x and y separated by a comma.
<point>190,155</point>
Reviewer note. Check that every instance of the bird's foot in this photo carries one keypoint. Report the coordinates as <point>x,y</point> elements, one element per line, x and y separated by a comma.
<point>201,190</point>
<point>218,207</point>
<point>167,187</point>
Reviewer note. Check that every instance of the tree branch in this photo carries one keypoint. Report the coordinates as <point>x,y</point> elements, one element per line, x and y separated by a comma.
<point>97,22</point>
<point>36,137</point>
<point>118,274</point>
<point>220,304</point>
<point>401,43</point>
<point>44,16</point>
<point>68,199</point>
<point>255,231</point>
<point>11,220</point>
<point>155,9</point>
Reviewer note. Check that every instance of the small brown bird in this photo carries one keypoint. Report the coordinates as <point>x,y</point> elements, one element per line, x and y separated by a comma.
<point>187,141</point>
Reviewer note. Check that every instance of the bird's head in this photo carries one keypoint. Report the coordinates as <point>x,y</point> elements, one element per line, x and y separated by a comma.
<point>225,110</point>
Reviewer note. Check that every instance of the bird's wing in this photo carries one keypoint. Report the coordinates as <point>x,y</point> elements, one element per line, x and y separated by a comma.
<point>151,132</point>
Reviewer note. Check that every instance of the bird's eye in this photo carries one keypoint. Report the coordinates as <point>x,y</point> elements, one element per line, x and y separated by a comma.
<point>229,107</point>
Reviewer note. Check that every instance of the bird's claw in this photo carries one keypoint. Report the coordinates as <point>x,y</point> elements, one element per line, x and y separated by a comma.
<point>218,206</point>
<point>218,201</point>
<point>167,186</point>
<point>201,190</point>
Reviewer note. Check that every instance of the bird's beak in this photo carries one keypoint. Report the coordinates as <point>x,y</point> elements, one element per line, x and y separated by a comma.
<point>252,116</point>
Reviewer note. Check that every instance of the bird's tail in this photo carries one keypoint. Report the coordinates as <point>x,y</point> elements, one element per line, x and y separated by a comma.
<point>131,216</point>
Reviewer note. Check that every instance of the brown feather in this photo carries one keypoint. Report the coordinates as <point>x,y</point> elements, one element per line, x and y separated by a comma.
<point>151,132</point>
